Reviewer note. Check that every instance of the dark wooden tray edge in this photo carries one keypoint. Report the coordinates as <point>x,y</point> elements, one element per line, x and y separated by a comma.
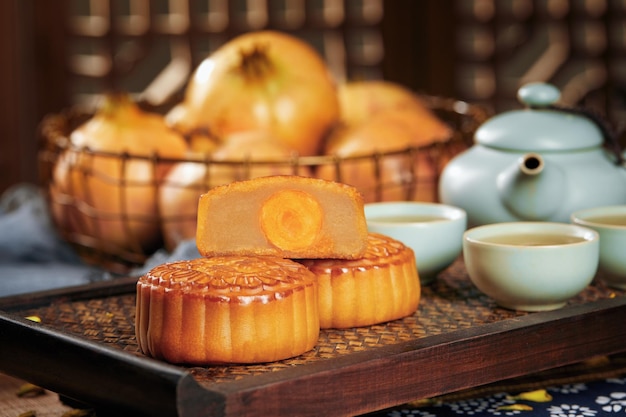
<point>432,366</point>
<point>89,372</point>
<point>351,384</point>
<point>115,286</point>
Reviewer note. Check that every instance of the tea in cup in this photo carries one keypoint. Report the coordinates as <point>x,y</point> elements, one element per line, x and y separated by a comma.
<point>531,266</point>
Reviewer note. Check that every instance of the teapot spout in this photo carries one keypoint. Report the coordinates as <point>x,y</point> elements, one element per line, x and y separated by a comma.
<point>532,189</point>
<point>531,164</point>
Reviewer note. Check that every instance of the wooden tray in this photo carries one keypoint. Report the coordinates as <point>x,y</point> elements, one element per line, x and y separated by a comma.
<point>85,349</point>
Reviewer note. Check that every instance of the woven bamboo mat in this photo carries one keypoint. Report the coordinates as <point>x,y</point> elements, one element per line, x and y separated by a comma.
<point>450,303</point>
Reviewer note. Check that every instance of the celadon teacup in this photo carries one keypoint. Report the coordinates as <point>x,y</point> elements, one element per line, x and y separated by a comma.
<point>434,231</point>
<point>610,223</point>
<point>531,266</point>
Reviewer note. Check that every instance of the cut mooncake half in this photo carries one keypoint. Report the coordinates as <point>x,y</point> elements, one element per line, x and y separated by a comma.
<point>286,216</point>
<point>382,286</point>
<point>227,310</point>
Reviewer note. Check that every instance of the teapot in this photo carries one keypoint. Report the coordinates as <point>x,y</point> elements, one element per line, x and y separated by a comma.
<point>540,163</point>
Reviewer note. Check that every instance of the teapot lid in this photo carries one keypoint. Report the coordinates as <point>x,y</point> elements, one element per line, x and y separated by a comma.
<point>541,126</point>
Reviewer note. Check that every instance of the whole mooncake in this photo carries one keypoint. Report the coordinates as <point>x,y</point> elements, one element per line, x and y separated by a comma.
<point>381,286</point>
<point>227,309</point>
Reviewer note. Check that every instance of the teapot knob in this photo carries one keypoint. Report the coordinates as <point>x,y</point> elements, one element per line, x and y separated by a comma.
<point>538,94</point>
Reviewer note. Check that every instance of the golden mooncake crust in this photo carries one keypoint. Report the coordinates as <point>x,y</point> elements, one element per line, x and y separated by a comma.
<point>381,286</point>
<point>227,310</point>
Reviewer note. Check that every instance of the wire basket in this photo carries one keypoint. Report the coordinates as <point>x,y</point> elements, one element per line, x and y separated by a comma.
<point>116,218</point>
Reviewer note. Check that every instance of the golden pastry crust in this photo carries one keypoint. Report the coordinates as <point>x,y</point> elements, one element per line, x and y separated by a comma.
<point>227,310</point>
<point>286,215</point>
<point>382,286</point>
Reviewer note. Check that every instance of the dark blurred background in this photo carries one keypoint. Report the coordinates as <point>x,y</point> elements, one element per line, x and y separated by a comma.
<point>56,54</point>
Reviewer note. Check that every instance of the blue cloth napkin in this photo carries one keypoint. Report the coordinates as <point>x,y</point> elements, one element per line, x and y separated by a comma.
<point>33,257</point>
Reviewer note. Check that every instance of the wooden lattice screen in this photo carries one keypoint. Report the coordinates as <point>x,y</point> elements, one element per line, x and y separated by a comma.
<point>152,46</point>
<point>67,51</point>
<point>497,45</point>
<point>578,45</point>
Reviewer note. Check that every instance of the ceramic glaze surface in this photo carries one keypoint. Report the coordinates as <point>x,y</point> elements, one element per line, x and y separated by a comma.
<point>476,181</point>
<point>610,223</point>
<point>537,164</point>
<point>532,276</point>
<point>434,231</point>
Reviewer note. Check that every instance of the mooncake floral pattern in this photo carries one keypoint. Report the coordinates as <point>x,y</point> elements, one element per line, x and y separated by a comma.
<point>591,399</point>
<point>230,274</point>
